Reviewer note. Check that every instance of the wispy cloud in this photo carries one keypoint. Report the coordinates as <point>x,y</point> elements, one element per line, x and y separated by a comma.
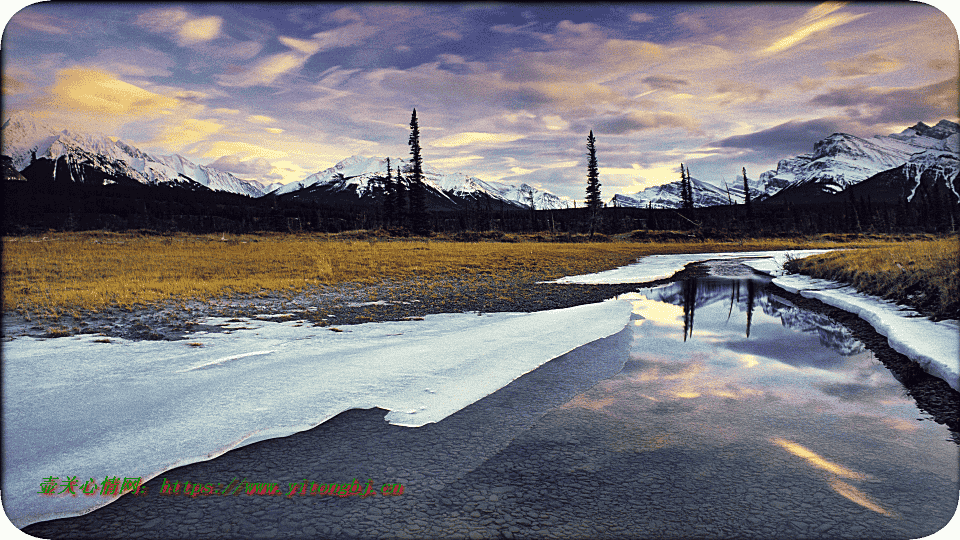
<point>817,19</point>
<point>181,25</point>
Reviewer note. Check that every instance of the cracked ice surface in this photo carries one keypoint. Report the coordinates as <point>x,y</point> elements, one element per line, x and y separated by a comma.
<point>75,407</point>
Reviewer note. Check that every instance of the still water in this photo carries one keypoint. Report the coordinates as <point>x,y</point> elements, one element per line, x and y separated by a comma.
<point>795,425</point>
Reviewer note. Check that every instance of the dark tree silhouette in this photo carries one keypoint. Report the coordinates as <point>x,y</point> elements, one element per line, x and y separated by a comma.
<point>418,195</point>
<point>594,202</point>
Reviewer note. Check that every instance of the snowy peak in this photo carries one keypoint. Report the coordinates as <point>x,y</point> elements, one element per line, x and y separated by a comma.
<point>842,160</point>
<point>356,172</point>
<point>704,194</point>
<point>25,139</point>
<point>942,130</point>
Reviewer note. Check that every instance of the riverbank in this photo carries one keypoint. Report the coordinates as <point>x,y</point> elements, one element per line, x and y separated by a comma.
<point>59,279</point>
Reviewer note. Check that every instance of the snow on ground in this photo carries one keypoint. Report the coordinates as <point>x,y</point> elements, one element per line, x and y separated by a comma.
<point>74,406</point>
<point>933,345</point>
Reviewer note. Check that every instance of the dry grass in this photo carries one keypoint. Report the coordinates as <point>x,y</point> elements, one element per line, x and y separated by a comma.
<point>923,273</point>
<point>66,273</point>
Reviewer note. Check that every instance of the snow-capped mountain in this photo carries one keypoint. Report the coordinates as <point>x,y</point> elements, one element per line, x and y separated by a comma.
<point>354,174</point>
<point>842,160</point>
<point>25,140</point>
<point>704,194</point>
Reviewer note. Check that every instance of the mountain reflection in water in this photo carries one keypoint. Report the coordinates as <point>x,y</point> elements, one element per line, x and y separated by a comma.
<point>746,295</point>
<point>772,397</point>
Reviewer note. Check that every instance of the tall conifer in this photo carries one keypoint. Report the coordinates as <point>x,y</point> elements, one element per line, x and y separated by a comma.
<point>418,205</point>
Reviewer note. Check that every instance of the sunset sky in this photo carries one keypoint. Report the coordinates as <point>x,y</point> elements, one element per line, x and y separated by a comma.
<point>504,92</point>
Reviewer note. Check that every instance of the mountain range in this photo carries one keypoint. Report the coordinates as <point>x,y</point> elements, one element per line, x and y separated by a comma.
<point>922,158</point>
<point>354,178</point>
<point>93,158</point>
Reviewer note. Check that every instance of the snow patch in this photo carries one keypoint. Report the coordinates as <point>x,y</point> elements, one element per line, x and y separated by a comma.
<point>75,407</point>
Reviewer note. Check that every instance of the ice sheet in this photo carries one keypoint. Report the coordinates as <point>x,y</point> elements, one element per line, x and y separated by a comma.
<point>76,407</point>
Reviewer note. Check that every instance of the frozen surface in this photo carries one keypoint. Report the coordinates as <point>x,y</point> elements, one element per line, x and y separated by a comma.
<point>933,345</point>
<point>76,407</point>
<point>656,267</point>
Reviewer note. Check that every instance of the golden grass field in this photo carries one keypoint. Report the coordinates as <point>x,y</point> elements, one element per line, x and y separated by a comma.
<point>62,273</point>
<point>918,273</point>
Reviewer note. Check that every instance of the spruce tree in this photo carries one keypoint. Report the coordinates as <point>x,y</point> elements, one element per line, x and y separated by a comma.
<point>593,175</point>
<point>418,205</point>
<point>594,202</point>
<point>686,194</point>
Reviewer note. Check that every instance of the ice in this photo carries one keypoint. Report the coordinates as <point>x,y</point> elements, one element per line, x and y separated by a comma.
<point>76,407</point>
<point>656,267</point>
<point>935,346</point>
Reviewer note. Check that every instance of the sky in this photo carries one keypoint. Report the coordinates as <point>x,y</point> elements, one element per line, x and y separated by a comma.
<point>507,92</point>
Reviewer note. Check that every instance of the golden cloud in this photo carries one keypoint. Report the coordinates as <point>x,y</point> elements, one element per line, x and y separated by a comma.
<point>96,91</point>
<point>188,131</point>
<point>817,19</point>
<point>472,137</point>
<point>200,30</point>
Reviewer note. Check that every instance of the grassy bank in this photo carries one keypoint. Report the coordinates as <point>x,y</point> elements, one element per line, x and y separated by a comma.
<point>63,273</point>
<point>924,274</point>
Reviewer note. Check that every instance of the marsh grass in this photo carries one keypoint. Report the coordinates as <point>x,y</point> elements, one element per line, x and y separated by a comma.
<point>65,273</point>
<point>922,273</point>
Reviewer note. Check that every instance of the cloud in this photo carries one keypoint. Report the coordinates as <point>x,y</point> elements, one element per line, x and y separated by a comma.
<point>261,119</point>
<point>180,25</point>
<point>187,132</point>
<point>41,23</point>
<point>256,166</point>
<point>200,30</point>
<point>865,64</point>
<point>728,92</point>
<point>899,105</point>
<point>788,139</point>
<point>640,17</point>
<point>661,82</point>
<point>642,121</point>
<point>817,19</point>
<point>694,23</point>
<point>96,91</point>
<point>473,138</point>
<point>266,71</point>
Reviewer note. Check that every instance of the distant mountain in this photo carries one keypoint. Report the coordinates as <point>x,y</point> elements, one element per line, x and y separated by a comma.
<point>350,181</point>
<point>46,153</point>
<point>704,194</point>
<point>841,161</point>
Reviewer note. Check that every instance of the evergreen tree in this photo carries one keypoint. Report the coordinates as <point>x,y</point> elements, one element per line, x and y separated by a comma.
<point>593,175</point>
<point>594,202</point>
<point>686,193</point>
<point>418,205</point>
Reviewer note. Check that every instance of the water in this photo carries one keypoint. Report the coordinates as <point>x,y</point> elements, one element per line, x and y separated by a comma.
<point>768,402</point>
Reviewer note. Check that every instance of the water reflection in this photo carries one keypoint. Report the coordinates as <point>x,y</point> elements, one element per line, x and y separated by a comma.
<point>725,367</point>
